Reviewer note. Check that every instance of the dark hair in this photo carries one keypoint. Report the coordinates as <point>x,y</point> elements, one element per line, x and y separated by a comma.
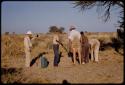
<point>82,33</point>
<point>56,31</point>
<point>37,35</point>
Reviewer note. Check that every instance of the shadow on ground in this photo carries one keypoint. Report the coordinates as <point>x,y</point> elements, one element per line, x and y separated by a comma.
<point>5,71</point>
<point>34,59</point>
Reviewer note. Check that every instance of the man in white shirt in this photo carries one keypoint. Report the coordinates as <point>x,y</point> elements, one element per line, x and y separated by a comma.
<point>28,45</point>
<point>74,42</point>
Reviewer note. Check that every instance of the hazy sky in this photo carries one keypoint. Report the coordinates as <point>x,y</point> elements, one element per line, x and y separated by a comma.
<point>38,16</point>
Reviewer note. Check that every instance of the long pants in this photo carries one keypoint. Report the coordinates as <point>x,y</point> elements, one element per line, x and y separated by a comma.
<point>85,52</point>
<point>95,51</point>
<point>27,61</point>
<point>56,54</point>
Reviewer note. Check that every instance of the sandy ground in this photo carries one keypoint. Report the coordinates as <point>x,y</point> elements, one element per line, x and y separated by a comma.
<point>108,70</point>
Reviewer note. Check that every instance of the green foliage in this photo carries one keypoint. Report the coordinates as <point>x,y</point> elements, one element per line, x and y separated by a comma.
<point>53,29</point>
<point>56,29</point>
<point>121,21</point>
<point>116,44</point>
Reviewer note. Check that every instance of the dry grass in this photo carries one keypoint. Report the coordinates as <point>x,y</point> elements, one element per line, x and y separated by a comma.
<point>13,56</point>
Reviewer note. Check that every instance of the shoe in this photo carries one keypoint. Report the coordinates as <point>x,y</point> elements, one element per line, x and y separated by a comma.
<point>83,62</point>
<point>96,61</point>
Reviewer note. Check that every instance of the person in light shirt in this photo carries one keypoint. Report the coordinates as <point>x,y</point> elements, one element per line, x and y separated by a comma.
<point>74,43</point>
<point>27,48</point>
<point>56,48</point>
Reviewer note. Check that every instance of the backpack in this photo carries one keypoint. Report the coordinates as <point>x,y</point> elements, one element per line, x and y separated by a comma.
<point>44,62</point>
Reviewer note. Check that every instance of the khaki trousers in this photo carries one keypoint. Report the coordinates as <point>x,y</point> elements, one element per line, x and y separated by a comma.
<point>27,61</point>
<point>76,48</point>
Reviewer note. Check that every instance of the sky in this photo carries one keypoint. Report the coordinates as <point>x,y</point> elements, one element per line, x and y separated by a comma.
<point>38,16</point>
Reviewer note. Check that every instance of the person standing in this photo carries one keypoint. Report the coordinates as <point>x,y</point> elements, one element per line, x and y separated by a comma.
<point>27,45</point>
<point>74,43</point>
<point>56,48</point>
<point>84,48</point>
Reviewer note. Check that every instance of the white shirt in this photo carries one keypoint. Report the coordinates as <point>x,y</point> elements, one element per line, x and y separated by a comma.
<point>74,35</point>
<point>27,43</point>
<point>55,37</point>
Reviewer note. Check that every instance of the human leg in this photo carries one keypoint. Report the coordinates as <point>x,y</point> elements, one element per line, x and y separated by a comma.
<point>92,58</point>
<point>87,53</point>
<point>74,55</point>
<point>27,61</point>
<point>79,54</point>
<point>56,54</point>
<point>96,52</point>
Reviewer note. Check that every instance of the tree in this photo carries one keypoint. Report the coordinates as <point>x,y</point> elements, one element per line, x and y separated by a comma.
<point>55,28</point>
<point>6,33</point>
<point>121,21</point>
<point>103,6</point>
<point>106,7</point>
<point>61,29</point>
<point>13,33</point>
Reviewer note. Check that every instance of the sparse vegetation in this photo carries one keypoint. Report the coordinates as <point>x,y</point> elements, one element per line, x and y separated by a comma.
<point>13,56</point>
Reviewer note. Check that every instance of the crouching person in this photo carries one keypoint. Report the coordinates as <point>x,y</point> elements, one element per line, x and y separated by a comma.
<point>44,61</point>
<point>95,45</point>
<point>27,45</point>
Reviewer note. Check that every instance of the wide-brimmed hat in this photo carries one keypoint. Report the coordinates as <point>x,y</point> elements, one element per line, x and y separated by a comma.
<point>72,28</point>
<point>29,32</point>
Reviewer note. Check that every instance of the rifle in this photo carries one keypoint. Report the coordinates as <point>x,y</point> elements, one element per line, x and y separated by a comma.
<point>62,46</point>
<point>70,54</point>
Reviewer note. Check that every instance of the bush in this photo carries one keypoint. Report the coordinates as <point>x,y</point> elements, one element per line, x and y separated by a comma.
<point>116,44</point>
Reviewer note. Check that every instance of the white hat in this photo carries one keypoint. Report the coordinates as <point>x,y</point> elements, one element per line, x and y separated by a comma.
<point>72,26</point>
<point>29,32</point>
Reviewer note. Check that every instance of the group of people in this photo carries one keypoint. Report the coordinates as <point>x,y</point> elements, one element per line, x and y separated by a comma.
<point>78,44</point>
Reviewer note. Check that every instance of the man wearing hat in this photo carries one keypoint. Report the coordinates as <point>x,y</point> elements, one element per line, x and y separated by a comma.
<point>28,45</point>
<point>74,42</point>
